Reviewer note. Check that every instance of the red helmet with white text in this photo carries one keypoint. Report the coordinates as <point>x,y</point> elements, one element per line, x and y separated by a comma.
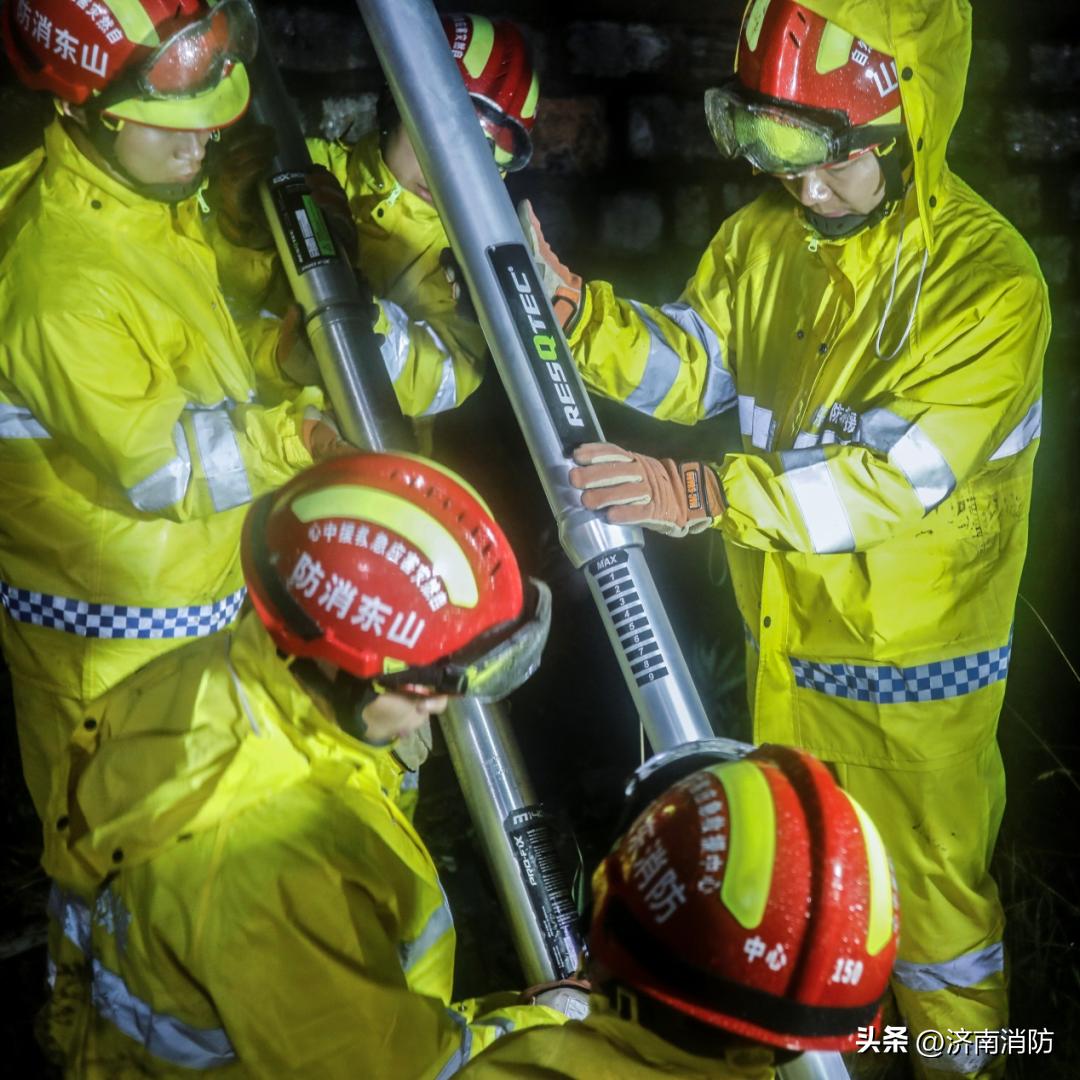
<point>806,92</point>
<point>165,63</point>
<point>494,62</point>
<point>753,896</point>
<point>391,567</point>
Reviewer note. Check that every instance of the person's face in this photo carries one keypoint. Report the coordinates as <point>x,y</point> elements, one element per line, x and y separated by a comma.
<point>153,155</point>
<point>850,187</point>
<point>401,160</point>
<point>396,716</point>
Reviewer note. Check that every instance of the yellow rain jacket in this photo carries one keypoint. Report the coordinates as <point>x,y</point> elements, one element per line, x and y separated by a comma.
<point>434,355</point>
<point>876,517</point>
<point>131,440</point>
<point>261,907</point>
<point>606,1047</point>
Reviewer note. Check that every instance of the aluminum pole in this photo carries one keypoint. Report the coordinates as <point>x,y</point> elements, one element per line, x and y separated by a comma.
<point>533,360</point>
<point>515,832</point>
<point>530,352</point>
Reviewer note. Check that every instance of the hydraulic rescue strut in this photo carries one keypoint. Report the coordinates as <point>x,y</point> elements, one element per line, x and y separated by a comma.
<point>515,832</point>
<point>544,388</point>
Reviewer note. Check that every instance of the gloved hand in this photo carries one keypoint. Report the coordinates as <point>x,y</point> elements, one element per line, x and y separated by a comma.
<point>293,353</point>
<point>242,160</point>
<point>321,436</point>
<point>331,199</point>
<point>414,747</point>
<point>562,285</point>
<point>638,490</point>
<point>459,290</point>
<point>568,996</point>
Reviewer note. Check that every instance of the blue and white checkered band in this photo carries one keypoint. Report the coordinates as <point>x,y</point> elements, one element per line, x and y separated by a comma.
<point>119,620</point>
<point>885,685</point>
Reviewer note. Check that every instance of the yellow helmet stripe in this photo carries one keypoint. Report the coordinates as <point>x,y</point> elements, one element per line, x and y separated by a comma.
<point>445,554</point>
<point>754,20</point>
<point>134,21</point>
<point>835,49</point>
<point>879,930</point>
<point>479,51</point>
<point>529,108</point>
<point>751,844</point>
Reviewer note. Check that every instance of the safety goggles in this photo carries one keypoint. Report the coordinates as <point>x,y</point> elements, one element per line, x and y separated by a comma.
<point>781,138</point>
<point>510,143</point>
<point>196,58</point>
<point>489,668</point>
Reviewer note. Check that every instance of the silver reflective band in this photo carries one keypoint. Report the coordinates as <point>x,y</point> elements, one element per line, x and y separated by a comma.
<point>446,394</point>
<point>395,346</point>
<point>223,465</point>
<point>756,423</point>
<point>17,422</point>
<point>1023,435</point>
<point>911,451</point>
<point>661,368</point>
<point>719,393</point>
<point>459,1058</point>
<point>439,923</point>
<point>162,1035</point>
<point>963,971</point>
<point>819,503</point>
<point>501,1024</point>
<point>165,486</point>
<point>72,915</point>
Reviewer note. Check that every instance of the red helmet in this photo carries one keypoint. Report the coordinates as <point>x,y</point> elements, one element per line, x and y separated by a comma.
<point>753,896</point>
<point>392,568</point>
<point>495,64</point>
<point>806,92</point>
<point>166,63</point>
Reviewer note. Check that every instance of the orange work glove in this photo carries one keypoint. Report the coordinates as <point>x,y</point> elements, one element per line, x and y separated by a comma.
<point>293,353</point>
<point>562,285</point>
<point>637,490</point>
<point>568,996</point>
<point>321,436</point>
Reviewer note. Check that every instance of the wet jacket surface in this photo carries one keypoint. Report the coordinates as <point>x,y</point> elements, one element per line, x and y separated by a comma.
<point>131,439</point>
<point>604,1047</point>
<point>262,907</point>
<point>877,510</point>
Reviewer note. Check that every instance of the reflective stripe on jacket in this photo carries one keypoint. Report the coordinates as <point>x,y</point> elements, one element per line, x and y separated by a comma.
<point>606,1047</point>
<point>248,897</point>
<point>877,510</point>
<point>435,357</point>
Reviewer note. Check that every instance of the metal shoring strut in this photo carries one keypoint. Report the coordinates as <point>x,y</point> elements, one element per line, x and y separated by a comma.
<point>543,385</point>
<point>517,837</point>
<point>526,340</point>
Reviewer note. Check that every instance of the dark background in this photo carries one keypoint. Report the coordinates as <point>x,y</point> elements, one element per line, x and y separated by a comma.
<point>630,190</point>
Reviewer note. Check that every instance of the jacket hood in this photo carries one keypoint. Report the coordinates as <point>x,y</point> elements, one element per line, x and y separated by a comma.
<point>931,43</point>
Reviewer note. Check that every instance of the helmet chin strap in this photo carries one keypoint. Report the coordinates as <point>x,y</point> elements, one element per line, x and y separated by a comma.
<point>103,139</point>
<point>894,164</point>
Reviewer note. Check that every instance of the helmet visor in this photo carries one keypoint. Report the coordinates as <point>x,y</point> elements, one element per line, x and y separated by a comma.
<point>511,144</point>
<point>771,137</point>
<point>493,666</point>
<point>195,58</point>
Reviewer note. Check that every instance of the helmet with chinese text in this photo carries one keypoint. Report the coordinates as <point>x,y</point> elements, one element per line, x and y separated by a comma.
<point>754,897</point>
<point>495,64</point>
<point>392,568</point>
<point>166,63</point>
<point>805,93</point>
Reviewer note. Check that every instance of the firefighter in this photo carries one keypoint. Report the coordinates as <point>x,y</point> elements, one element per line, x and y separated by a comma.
<point>260,906</point>
<point>132,429</point>
<point>881,331</point>
<point>434,350</point>
<point>747,914</point>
